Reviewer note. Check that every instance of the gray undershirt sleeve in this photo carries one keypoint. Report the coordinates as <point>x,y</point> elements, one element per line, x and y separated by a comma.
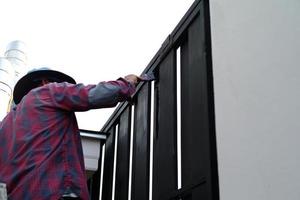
<point>104,95</point>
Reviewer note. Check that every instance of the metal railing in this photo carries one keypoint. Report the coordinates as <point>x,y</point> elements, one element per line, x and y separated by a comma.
<point>162,145</point>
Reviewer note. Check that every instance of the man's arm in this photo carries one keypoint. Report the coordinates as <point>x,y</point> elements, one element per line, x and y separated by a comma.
<point>108,94</point>
<point>78,97</point>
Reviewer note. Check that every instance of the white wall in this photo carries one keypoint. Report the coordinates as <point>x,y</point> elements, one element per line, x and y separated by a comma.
<point>256,65</point>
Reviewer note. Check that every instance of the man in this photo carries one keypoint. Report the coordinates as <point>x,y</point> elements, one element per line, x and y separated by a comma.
<point>40,148</point>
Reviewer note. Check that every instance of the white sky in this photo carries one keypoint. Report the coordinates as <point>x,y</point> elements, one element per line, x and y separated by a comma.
<point>91,40</point>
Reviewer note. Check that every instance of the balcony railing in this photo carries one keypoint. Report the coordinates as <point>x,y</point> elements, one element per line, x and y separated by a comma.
<point>162,144</point>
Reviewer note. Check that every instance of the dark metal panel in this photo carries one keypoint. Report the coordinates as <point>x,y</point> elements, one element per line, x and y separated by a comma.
<point>95,186</point>
<point>108,165</point>
<point>95,180</point>
<point>199,158</point>
<point>185,192</point>
<point>123,150</point>
<point>211,104</point>
<point>194,106</point>
<point>196,133</point>
<point>141,145</point>
<point>164,151</point>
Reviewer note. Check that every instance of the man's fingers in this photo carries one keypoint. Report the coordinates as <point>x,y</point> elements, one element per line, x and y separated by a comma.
<point>132,78</point>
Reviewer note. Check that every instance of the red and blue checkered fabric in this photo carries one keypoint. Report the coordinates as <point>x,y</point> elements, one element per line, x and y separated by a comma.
<point>40,146</point>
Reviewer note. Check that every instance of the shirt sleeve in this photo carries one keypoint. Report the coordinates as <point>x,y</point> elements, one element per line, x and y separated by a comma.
<point>78,97</point>
<point>108,94</point>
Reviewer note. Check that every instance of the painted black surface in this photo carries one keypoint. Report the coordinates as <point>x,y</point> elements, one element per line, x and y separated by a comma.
<point>141,148</point>
<point>108,165</point>
<point>195,126</point>
<point>199,157</point>
<point>123,151</point>
<point>94,182</point>
<point>186,191</point>
<point>164,155</point>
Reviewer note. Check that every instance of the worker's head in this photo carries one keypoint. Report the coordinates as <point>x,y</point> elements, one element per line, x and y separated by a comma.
<point>38,77</point>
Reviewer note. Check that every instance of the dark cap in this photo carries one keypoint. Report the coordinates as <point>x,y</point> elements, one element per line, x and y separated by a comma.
<point>29,81</point>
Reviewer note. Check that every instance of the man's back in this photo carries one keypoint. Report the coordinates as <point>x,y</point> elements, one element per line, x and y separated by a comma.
<point>40,148</point>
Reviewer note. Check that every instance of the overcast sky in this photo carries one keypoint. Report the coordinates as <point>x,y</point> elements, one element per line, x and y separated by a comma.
<point>91,40</point>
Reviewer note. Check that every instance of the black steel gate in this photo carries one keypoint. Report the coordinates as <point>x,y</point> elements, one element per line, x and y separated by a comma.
<point>162,145</point>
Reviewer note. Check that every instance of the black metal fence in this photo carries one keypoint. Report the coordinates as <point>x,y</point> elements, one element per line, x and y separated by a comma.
<point>162,145</point>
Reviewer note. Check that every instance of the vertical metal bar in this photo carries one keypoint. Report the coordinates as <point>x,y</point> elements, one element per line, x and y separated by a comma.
<point>95,180</point>
<point>140,162</point>
<point>151,140</point>
<point>108,165</point>
<point>164,144</point>
<point>102,172</point>
<point>115,162</point>
<point>131,152</point>
<point>211,104</point>
<point>123,151</point>
<point>178,84</point>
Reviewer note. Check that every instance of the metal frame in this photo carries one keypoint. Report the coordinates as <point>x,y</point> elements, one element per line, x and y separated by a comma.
<point>199,151</point>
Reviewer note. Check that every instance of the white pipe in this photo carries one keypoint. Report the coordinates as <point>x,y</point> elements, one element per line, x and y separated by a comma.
<point>16,54</point>
<point>6,86</point>
<point>12,67</point>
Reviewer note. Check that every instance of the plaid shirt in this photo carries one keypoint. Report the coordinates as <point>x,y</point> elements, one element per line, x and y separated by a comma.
<point>40,147</point>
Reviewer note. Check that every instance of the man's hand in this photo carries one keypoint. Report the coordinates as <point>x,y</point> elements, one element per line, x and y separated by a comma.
<point>133,79</point>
